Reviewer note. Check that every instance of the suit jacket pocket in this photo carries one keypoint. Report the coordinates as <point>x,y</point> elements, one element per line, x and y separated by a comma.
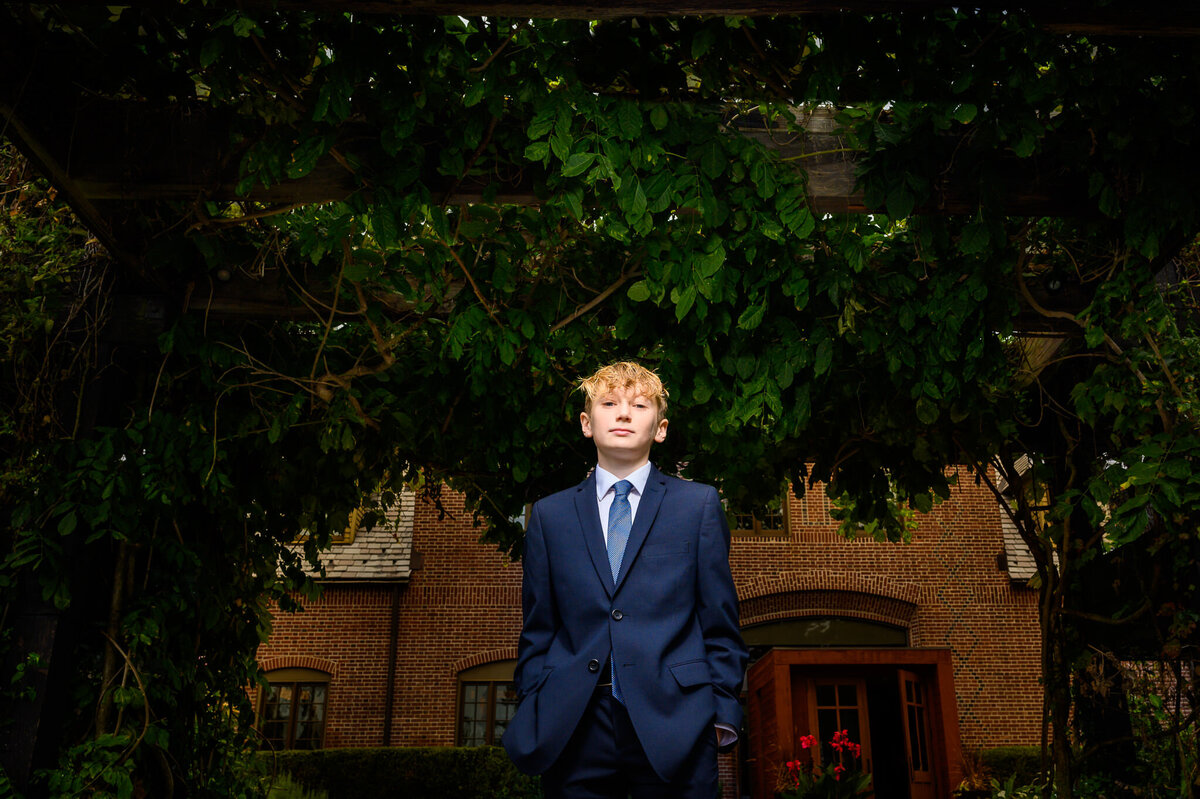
<point>661,549</point>
<point>691,673</point>
<point>533,689</point>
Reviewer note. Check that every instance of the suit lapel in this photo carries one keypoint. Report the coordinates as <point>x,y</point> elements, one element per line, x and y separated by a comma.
<point>588,510</point>
<point>648,507</point>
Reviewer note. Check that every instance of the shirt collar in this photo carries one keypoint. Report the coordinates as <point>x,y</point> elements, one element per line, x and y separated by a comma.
<point>605,480</point>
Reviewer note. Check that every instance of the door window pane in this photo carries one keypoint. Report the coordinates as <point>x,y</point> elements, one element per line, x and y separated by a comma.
<point>826,694</point>
<point>917,722</point>
<point>839,707</point>
<point>847,695</point>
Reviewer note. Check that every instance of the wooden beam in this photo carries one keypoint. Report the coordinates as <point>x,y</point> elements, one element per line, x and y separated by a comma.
<point>136,154</point>
<point>1120,18</point>
<point>36,145</point>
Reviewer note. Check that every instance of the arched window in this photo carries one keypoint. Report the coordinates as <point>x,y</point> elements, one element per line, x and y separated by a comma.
<point>291,713</point>
<point>836,631</point>
<point>487,699</point>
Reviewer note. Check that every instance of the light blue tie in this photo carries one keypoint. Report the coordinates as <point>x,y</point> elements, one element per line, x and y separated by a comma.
<point>620,521</point>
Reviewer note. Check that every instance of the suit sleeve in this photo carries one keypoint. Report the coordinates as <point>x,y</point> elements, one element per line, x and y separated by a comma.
<point>539,612</point>
<point>718,613</point>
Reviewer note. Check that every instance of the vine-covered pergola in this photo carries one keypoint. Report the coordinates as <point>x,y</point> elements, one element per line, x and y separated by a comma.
<point>345,248</point>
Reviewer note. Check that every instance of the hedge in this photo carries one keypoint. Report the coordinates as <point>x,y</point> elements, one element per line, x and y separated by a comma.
<point>1022,762</point>
<point>408,773</point>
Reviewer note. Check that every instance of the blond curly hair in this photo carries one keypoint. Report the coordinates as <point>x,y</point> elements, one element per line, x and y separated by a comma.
<point>625,375</point>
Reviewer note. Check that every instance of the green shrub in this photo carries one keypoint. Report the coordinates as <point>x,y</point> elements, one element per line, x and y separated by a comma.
<point>409,773</point>
<point>1021,764</point>
<point>284,787</point>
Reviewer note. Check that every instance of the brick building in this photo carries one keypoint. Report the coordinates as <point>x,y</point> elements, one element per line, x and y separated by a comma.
<point>924,650</point>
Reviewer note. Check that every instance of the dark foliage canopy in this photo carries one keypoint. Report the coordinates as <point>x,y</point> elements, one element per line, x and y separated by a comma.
<point>431,339</point>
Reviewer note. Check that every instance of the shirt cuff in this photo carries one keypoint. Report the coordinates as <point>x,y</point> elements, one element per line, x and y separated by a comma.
<point>726,735</point>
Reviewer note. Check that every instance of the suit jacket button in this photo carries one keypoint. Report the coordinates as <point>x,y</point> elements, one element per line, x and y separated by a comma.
<point>593,665</point>
<point>617,615</point>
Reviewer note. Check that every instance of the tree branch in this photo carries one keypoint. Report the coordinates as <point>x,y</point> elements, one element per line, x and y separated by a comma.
<point>592,303</point>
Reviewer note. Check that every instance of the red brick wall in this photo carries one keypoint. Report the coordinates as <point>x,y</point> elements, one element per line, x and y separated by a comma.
<point>945,587</point>
<point>462,608</point>
<point>344,634</point>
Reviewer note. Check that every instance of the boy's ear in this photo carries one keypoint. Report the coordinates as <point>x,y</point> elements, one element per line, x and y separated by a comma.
<point>586,424</point>
<point>660,435</point>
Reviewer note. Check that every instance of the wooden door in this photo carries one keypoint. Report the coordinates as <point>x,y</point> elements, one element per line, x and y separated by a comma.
<point>914,712</point>
<point>839,704</point>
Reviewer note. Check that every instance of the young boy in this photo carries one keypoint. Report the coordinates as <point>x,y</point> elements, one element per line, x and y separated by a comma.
<point>630,658</point>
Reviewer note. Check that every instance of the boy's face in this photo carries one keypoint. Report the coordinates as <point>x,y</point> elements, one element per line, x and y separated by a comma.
<point>623,423</point>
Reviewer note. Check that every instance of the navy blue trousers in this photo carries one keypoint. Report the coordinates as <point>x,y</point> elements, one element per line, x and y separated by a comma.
<point>605,760</point>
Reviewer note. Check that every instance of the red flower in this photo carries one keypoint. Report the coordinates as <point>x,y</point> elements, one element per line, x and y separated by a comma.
<point>808,741</point>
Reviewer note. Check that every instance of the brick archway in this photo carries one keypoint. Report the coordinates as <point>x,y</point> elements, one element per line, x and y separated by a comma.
<point>299,662</point>
<point>479,658</point>
<point>825,580</point>
<point>818,593</point>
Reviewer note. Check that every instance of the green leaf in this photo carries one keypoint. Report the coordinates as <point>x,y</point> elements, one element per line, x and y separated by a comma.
<point>304,157</point>
<point>683,299</point>
<point>66,525</point>
<point>474,94</point>
<point>574,199</point>
<point>659,117</point>
<point>927,410</point>
<point>658,193</point>
<point>752,317</point>
<point>824,357</point>
<point>1025,145</point>
<point>702,41</point>
<point>243,27</point>
<point>975,237</point>
<point>560,144</point>
<point>542,122</point>
<point>966,112</point>
<point>210,51</point>
<point>712,160</point>
<point>638,206</point>
<point>383,224</point>
<point>629,119</point>
<point>771,229</point>
<point>577,164</point>
<point>710,263</point>
<point>639,291</point>
<point>537,151</point>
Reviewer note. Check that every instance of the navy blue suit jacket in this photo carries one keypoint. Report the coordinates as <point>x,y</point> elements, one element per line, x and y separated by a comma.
<point>671,614</point>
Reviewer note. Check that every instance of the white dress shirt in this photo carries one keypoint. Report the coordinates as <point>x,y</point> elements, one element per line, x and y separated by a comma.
<point>605,494</point>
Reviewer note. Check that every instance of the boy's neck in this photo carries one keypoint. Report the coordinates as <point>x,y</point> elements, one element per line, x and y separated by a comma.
<point>620,467</point>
